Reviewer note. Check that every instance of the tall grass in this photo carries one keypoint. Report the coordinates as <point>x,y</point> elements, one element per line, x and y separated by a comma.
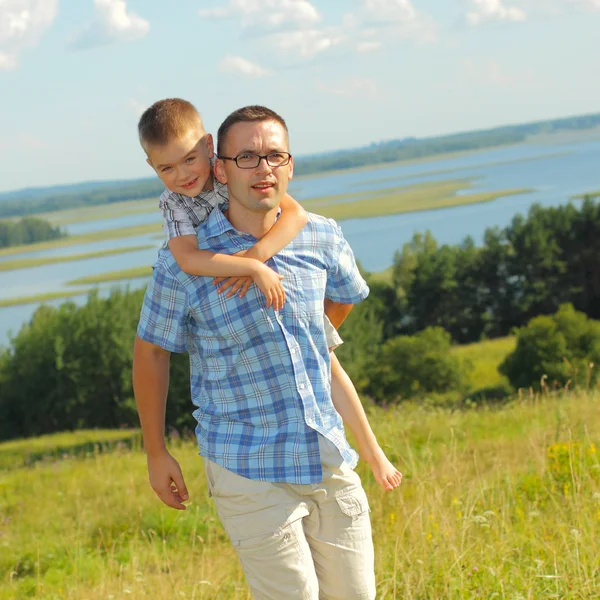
<point>495,504</point>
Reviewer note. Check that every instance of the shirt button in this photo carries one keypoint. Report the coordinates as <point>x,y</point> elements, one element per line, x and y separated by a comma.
<point>293,350</point>
<point>301,386</point>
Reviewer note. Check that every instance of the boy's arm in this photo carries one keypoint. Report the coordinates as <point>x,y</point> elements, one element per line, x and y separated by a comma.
<point>347,403</point>
<point>193,261</point>
<point>150,385</point>
<point>337,312</point>
<point>293,218</point>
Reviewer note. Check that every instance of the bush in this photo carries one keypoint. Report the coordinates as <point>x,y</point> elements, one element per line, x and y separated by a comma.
<point>563,348</point>
<point>412,366</point>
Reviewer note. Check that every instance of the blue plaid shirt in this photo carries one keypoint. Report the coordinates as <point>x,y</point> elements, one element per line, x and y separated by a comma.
<point>260,379</point>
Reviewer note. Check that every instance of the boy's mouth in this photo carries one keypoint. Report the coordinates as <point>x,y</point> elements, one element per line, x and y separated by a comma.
<point>189,185</point>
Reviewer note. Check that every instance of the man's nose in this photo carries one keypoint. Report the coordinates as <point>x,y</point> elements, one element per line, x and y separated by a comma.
<point>263,166</point>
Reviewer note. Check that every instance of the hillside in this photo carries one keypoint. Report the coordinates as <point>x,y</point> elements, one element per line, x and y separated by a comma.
<point>494,504</point>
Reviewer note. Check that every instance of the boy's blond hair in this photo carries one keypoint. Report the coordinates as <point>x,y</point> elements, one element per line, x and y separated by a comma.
<point>166,120</point>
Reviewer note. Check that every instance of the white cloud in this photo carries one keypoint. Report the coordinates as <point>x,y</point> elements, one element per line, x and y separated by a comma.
<point>272,13</point>
<point>367,47</point>
<point>494,10</point>
<point>394,10</point>
<point>309,43</point>
<point>22,24</point>
<point>237,64</point>
<point>353,87</point>
<point>396,19</point>
<point>114,23</point>
<point>586,4</point>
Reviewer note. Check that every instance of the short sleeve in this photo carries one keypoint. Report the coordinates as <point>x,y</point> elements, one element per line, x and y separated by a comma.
<point>345,284</point>
<point>178,219</point>
<point>164,312</point>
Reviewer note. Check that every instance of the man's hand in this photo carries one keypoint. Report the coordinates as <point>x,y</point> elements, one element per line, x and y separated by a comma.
<point>266,279</point>
<point>166,480</point>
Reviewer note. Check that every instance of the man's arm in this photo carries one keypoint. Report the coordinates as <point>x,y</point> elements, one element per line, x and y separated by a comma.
<point>337,312</point>
<point>150,386</point>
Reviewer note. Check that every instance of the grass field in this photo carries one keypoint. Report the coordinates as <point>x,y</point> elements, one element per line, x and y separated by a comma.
<point>495,504</point>
<point>40,261</point>
<point>485,357</point>
<point>132,273</point>
<point>86,238</point>
<point>37,298</point>
<point>393,200</point>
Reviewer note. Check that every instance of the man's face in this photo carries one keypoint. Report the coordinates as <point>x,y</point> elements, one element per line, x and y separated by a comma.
<point>259,189</point>
<point>183,164</point>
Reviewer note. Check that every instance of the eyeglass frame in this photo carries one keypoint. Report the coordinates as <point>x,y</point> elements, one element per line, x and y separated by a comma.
<point>260,157</point>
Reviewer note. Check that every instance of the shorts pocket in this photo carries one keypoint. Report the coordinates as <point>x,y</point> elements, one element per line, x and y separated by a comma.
<point>353,502</point>
<point>256,529</point>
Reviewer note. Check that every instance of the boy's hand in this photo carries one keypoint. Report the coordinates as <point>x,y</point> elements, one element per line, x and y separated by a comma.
<point>166,480</point>
<point>267,281</point>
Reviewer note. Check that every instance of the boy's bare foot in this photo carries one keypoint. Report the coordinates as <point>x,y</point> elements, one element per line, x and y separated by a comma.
<point>385,473</point>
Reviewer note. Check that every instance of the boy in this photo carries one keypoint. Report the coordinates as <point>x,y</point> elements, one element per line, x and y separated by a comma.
<point>181,152</point>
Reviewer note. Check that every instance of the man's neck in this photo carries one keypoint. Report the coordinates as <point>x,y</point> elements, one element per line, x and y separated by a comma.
<point>256,224</point>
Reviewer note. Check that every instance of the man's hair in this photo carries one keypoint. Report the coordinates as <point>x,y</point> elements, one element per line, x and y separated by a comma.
<point>166,120</point>
<point>248,114</point>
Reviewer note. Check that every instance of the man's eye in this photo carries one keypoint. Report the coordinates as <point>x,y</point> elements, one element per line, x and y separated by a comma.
<point>245,156</point>
<point>276,155</point>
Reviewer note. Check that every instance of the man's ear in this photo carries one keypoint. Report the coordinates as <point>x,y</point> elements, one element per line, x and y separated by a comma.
<point>220,171</point>
<point>210,145</point>
<point>291,170</point>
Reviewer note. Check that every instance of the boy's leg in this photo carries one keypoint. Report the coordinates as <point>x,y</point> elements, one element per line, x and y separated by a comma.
<point>264,524</point>
<point>338,531</point>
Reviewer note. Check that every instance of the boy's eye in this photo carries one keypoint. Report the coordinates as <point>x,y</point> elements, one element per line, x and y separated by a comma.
<point>166,169</point>
<point>190,159</point>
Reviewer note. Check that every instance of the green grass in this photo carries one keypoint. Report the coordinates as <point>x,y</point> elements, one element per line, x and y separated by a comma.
<point>593,194</point>
<point>26,263</point>
<point>485,357</point>
<point>102,211</point>
<point>86,238</point>
<point>132,273</point>
<point>424,196</point>
<point>494,504</point>
<point>42,297</point>
<point>393,200</point>
<point>24,452</point>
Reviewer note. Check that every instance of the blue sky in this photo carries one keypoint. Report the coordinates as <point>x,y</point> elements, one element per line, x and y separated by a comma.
<point>76,74</point>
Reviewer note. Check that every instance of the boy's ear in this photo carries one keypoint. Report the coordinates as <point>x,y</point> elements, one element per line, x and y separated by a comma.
<point>220,171</point>
<point>210,145</point>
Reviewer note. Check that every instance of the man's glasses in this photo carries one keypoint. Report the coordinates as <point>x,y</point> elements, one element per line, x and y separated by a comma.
<point>251,161</point>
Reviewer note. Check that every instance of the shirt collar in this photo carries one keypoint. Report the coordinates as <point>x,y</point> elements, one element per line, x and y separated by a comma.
<point>217,224</point>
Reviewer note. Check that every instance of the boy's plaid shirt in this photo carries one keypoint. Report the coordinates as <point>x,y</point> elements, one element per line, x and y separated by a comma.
<point>183,214</point>
<point>260,380</point>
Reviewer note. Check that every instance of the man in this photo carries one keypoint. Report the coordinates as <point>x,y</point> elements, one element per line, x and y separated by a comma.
<point>277,461</point>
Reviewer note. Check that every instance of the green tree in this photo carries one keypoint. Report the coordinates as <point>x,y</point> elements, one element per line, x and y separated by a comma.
<point>413,366</point>
<point>560,349</point>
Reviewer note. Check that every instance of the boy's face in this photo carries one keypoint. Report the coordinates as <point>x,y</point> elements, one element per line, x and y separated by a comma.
<point>183,164</point>
<point>260,189</point>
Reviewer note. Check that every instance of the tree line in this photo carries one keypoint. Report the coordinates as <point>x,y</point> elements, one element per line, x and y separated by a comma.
<point>27,231</point>
<point>70,366</point>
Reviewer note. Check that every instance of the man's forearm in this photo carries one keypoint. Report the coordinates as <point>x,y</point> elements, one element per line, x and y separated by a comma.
<point>150,386</point>
<point>337,312</point>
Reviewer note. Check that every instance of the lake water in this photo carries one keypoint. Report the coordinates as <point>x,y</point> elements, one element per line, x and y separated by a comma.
<point>555,172</point>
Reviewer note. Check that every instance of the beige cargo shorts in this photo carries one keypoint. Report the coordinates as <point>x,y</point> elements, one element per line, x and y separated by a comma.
<point>299,541</point>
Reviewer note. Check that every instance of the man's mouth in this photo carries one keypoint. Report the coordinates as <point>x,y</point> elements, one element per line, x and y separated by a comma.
<point>190,184</point>
<point>263,186</point>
